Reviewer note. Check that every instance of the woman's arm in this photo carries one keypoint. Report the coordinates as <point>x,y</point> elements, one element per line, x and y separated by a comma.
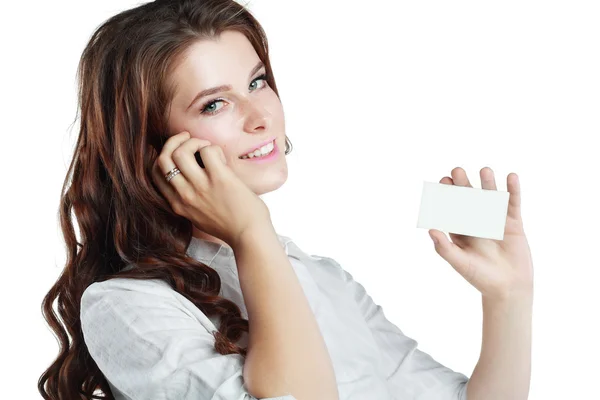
<point>286,352</point>
<point>504,367</point>
<point>410,373</point>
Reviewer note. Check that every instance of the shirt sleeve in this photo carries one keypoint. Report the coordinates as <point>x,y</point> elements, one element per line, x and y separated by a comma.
<point>410,372</point>
<point>149,346</point>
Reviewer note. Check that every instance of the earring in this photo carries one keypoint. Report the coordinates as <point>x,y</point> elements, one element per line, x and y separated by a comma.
<point>288,146</point>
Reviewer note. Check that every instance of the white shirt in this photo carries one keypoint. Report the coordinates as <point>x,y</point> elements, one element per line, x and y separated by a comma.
<point>150,342</point>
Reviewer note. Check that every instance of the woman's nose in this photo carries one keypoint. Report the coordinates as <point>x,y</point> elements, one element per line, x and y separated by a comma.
<point>256,115</point>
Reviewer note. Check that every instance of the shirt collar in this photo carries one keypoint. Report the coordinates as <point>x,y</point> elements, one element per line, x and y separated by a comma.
<point>207,252</point>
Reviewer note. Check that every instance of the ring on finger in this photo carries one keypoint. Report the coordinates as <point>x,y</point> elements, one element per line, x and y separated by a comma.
<point>172,173</point>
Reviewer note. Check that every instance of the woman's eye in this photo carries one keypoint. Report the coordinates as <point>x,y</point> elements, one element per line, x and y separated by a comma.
<point>208,107</point>
<point>262,77</point>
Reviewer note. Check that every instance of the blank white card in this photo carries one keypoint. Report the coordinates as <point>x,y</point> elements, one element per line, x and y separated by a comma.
<point>463,210</point>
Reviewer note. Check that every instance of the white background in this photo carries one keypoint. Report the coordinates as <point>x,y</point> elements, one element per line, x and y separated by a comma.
<point>377,100</point>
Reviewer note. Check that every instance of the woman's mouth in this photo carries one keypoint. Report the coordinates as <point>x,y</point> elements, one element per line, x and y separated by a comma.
<point>266,153</point>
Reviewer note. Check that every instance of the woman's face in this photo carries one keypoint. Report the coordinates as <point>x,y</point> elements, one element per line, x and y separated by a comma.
<point>238,119</point>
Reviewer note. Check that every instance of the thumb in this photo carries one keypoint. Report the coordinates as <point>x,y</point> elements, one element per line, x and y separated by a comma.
<point>221,154</point>
<point>454,255</point>
<point>223,158</point>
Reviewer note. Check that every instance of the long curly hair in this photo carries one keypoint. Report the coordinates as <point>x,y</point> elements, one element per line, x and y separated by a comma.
<point>123,218</point>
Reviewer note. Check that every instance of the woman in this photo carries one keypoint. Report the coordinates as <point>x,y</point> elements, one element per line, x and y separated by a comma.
<point>179,257</point>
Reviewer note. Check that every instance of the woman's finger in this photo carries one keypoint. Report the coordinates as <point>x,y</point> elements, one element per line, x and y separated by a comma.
<point>212,158</point>
<point>165,164</point>
<point>166,161</point>
<point>165,187</point>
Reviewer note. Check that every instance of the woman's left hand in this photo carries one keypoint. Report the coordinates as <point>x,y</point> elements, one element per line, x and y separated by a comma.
<point>497,268</point>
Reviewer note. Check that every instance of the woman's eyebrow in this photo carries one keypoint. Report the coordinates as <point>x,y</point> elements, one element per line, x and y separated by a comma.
<point>222,88</point>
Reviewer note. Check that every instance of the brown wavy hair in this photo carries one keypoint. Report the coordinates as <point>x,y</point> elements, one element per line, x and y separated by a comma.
<point>123,218</point>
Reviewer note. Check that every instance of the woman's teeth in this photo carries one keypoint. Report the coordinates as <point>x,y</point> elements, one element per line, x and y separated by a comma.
<point>263,151</point>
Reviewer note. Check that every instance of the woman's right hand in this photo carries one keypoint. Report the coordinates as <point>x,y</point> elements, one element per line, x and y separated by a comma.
<point>214,199</point>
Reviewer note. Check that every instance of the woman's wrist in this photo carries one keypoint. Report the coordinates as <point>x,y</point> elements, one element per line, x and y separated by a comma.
<point>251,235</point>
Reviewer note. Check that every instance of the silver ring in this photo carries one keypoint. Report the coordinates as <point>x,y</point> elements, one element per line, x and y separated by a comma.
<point>172,173</point>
